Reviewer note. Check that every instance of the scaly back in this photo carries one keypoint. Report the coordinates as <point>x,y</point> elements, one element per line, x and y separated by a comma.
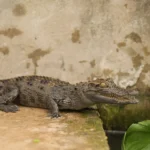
<point>29,80</point>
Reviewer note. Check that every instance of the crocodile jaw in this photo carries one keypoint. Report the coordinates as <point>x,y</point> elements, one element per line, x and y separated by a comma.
<point>98,98</point>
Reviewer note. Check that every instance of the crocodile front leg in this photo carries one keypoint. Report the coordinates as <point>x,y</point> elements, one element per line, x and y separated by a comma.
<point>8,94</point>
<point>53,107</point>
<point>8,108</point>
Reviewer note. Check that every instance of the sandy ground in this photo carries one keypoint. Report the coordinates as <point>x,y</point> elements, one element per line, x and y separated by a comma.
<point>31,129</point>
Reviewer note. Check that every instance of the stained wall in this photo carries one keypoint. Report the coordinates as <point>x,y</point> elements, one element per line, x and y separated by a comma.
<point>76,40</point>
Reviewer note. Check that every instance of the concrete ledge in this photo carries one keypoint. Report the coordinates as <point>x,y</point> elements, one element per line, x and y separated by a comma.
<point>31,129</point>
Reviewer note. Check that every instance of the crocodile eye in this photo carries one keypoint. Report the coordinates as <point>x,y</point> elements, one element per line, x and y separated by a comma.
<point>103,84</point>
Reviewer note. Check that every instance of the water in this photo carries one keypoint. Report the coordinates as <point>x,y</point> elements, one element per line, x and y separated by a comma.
<point>114,139</point>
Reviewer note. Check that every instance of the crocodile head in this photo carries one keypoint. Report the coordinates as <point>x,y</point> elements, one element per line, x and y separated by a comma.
<point>106,91</point>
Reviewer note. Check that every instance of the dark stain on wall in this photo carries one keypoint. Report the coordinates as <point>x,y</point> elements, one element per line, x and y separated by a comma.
<point>83,61</point>
<point>76,36</point>
<point>121,44</point>
<point>117,50</point>
<point>28,65</point>
<point>137,60</point>
<point>19,10</point>
<point>92,63</point>
<point>126,5</point>
<point>134,37</point>
<point>146,52</point>
<point>146,68</point>
<point>11,32</point>
<point>4,50</point>
<point>71,68</point>
<point>62,66</point>
<point>36,55</point>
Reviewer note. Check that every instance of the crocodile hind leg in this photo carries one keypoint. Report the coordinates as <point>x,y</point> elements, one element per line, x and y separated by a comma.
<point>7,97</point>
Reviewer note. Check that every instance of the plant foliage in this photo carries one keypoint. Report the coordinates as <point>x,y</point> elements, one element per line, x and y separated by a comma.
<point>137,137</point>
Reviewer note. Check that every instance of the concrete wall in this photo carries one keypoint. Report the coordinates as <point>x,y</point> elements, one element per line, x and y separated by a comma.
<point>75,40</point>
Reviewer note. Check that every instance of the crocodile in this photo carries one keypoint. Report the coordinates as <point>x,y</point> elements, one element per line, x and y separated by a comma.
<point>54,94</point>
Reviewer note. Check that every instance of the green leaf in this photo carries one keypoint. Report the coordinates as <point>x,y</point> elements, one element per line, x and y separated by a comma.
<point>137,137</point>
<point>36,140</point>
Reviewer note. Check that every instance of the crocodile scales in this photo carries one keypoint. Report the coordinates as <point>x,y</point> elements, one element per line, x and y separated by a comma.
<point>54,94</point>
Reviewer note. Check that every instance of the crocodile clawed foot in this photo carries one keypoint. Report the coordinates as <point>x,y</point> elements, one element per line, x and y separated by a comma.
<point>55,115</point>
<point>9,108</point>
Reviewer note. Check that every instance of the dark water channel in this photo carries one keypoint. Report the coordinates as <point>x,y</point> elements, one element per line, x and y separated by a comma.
<point>114,139</point>
<point>117,119</point>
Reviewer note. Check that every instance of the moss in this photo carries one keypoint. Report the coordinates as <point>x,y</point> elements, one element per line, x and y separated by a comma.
<point>121,117</point>
<point>87,112</point>
<point>93,123</point>
<point>70,121</point>
<point>90,125</point>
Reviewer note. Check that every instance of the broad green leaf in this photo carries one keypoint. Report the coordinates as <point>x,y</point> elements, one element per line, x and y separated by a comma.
<point>137,137</point>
